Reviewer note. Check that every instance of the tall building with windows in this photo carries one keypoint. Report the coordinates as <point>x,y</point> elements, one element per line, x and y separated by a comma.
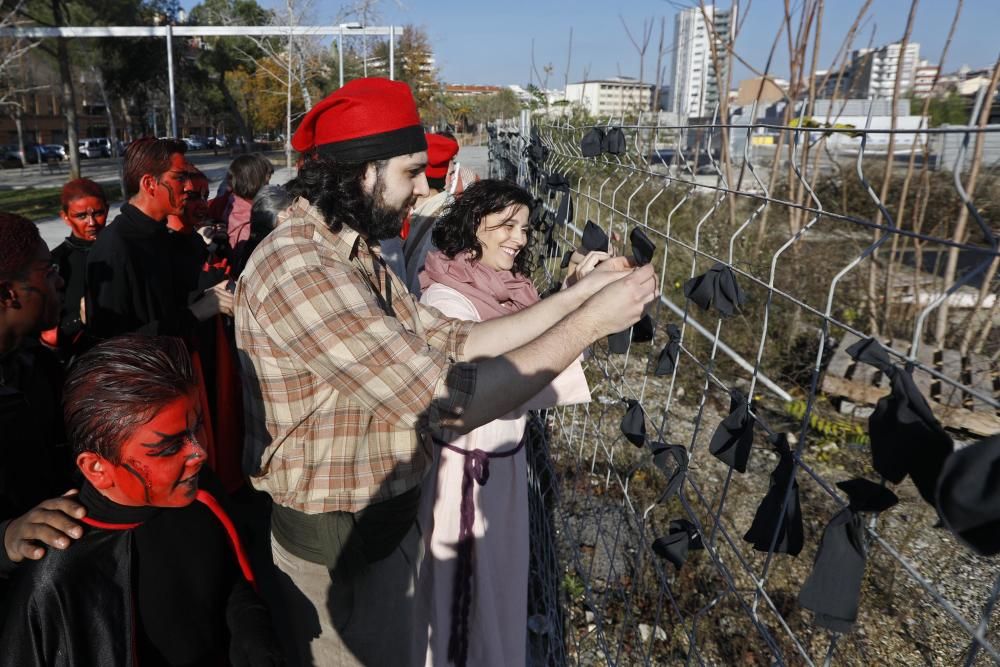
<point>694,82</point>
<point>611,97</point>
<point>875,70</point>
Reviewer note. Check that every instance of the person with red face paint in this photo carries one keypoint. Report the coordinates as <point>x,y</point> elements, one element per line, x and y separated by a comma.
<point>85,212</point>
<point>160,576</point>
<point>133,284</point>
<point>36,466</point>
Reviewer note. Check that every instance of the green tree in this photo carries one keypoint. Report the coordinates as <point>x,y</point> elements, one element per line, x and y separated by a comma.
<point>414,65</point>
<point>952,109</point>
<point>223,56</point>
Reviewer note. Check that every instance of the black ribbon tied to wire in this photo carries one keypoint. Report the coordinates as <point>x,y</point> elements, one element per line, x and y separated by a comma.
<point>681,538</point>
<point>733,438</point>
<point>557,182</point>
<point>716,288</point>
<point>633,424</point>
<point>592,142</point>
<point>667,361</point>
<point>906,437</point>
<point>642,331</point>
<point>614,141</point>
<point>770,522</point>
<point>833,590</point>
<point>673,461</point>
<point>594,238</point>
<point>968,497</point>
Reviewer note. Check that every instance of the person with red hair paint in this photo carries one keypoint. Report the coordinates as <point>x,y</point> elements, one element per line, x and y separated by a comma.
<point>84,209</point>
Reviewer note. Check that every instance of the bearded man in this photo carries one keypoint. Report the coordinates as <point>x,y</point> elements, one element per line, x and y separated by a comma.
<point>347,378</point>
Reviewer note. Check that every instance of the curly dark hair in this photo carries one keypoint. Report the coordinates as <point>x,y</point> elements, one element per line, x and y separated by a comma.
<point>336,189</point>
<point>119,385</point>
<point>19,239</point>
<point>455,230</point>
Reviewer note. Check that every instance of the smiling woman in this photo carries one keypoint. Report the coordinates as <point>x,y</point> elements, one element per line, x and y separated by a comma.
<point>480,273</point>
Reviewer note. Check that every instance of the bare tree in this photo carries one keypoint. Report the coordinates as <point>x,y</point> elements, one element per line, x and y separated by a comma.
<point>641,44</point>
<point>659,66</point>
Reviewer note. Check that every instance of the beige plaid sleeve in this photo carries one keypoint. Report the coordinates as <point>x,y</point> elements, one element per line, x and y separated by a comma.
<point>327,317</point>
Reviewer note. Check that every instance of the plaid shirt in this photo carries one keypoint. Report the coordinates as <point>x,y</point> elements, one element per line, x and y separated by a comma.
<point>344,375</point>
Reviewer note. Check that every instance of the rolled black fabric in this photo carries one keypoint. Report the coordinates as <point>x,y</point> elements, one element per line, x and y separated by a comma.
<point>681,538</point>
<point>716,288</point>
<point>382,146</point>
<point>833,590</point>
<point>591,144</point>
<point>557,182</point>
<point>567,257</point>
<point>633,425</point>
<point>906,437</point>
<point>673,461</point>
<point>614,141</point>
<point>968,495</point>
<point>594,238</point>
<point>667,360</point>
<point>769,518</point>
<point>733,439</point>
<point>642,247</point>
<point>640,332</point>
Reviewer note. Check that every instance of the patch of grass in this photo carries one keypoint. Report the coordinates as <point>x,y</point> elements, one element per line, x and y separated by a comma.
<point>41,203</point>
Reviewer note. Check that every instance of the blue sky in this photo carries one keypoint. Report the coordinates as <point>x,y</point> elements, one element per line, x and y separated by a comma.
<point>490,42</point>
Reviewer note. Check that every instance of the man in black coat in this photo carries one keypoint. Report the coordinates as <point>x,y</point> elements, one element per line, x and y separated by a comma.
<point>135,280</point>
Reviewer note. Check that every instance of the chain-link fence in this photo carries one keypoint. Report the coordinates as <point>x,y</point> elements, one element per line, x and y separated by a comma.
<point>679,517</point>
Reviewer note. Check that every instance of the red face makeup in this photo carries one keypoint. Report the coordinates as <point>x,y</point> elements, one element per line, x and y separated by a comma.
<point>160,461</point>
<point>86,217</point>
<point>196,206</point>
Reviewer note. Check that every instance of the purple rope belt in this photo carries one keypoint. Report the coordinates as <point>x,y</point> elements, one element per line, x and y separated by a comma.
<point>477,468</point>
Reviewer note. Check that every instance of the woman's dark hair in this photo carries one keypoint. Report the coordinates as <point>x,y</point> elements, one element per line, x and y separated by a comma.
<point>248,174</point>
<point>269,202</point>
<point>119,385</point>
<point>81,187</point>
<point>455,231</point>
<point>435,183</point>
<point>336,189</point>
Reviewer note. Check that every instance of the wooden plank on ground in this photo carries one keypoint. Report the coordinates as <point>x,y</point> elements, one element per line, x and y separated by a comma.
<point>926,357</point>
<point>841,361</point>
<point>951,368</point>
<point>981,374</point>
<point>979,423</point>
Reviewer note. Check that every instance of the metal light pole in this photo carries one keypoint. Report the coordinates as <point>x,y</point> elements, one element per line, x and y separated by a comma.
<point>170,80</point>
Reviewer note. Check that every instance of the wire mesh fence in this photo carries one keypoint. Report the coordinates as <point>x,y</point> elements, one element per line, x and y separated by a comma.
<point>721,500</point>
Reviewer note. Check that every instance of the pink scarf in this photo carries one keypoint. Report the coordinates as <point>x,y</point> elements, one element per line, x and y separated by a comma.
<point>493,293</point>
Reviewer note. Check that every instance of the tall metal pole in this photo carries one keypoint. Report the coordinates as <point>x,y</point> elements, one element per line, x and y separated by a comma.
<point>170,80</point>
<point>392,52</point>
<point>288,97</point>
<point>340,54</point>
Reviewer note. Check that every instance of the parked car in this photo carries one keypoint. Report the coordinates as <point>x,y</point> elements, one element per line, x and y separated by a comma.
<point>55,151</point>
<point>194,143</point>
<point>93,148</point>
<point>12,157</point>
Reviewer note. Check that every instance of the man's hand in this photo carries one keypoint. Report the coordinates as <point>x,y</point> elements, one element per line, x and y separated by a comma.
<point>216,300</point>
<point>621,302</point>
<point>50,523</point>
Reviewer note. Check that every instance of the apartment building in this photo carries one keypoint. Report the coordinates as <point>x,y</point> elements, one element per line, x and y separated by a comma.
<point>694,81</point>
<point>611,97</point>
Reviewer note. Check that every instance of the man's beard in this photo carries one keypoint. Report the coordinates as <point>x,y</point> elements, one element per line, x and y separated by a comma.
<point>382,221</point>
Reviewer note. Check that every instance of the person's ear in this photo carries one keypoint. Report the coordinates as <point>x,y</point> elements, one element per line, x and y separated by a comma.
<point>96,469</point>
<point>8,295</point>
<point>147,184</point>
<point>65,218</point>
<point>371,177</point>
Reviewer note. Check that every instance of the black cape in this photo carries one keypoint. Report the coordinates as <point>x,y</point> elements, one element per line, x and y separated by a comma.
<point>167,592</point>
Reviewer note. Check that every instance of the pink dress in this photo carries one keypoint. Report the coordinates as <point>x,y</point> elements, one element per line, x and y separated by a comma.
<point>497,619</point>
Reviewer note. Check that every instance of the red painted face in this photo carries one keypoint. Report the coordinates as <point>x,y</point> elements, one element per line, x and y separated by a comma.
<point>196,206</point>
<point>160,461</point>
<point>86,217</point>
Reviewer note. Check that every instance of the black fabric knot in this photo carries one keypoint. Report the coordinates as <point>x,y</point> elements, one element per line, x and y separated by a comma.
<point>733,438</point>
<point>477,464</point>
<point>716,288</point>
<point>667,361</point>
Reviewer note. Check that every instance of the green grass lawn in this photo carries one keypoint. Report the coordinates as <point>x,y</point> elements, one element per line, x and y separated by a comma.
<point>41,203</point>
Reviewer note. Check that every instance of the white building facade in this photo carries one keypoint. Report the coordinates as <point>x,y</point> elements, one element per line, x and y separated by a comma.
<point>694,83</point>
<point>875,69</point>
<point>611,97</point>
